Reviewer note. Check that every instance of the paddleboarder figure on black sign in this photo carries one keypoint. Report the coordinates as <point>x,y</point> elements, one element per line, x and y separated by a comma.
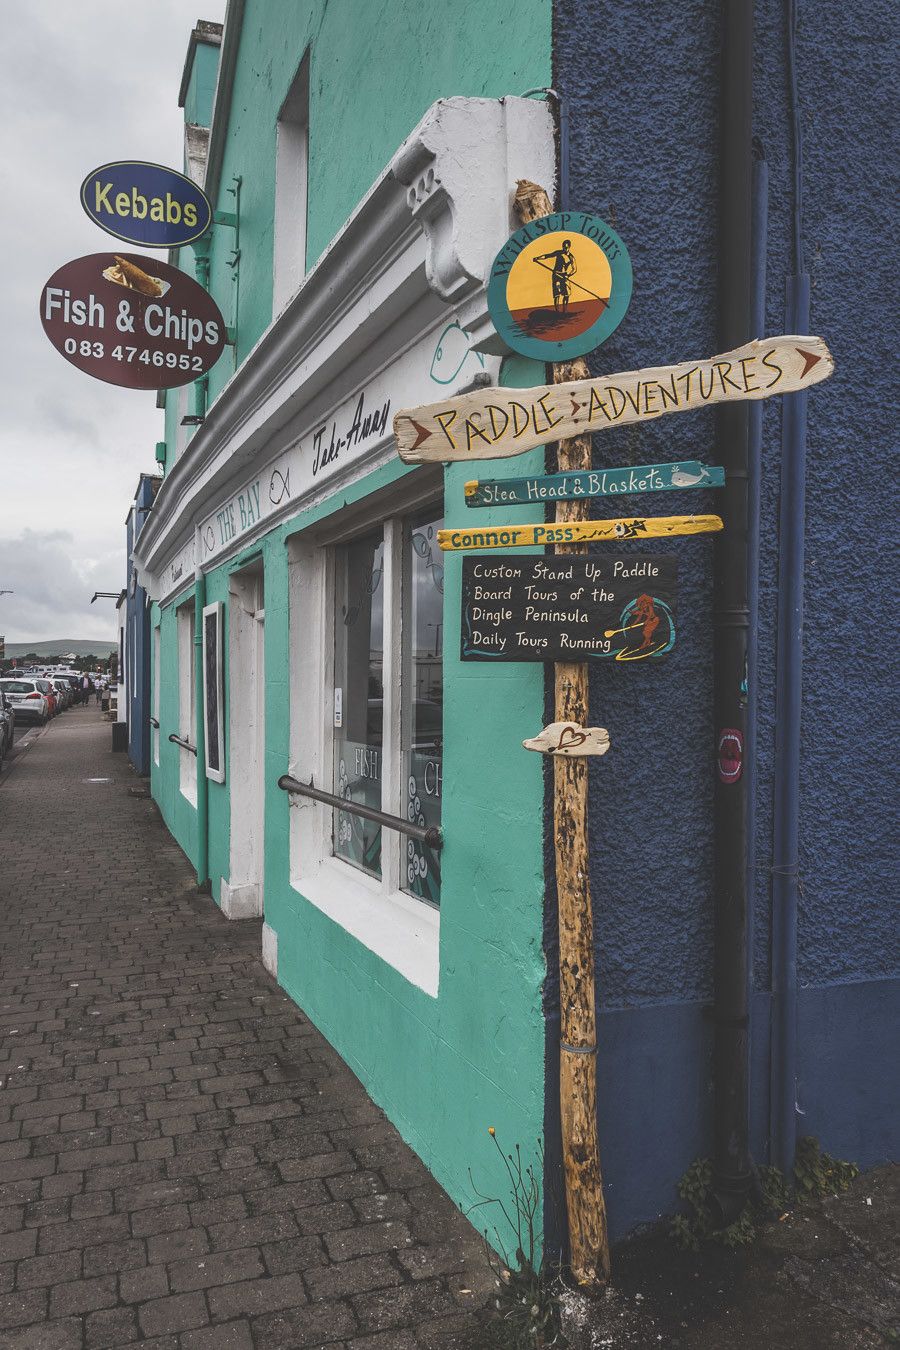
<point>563,268</point>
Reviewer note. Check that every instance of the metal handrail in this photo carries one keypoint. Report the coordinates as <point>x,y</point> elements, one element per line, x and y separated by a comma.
<point>154,722</point>
<point>185,745</point>
<point>426,834</point>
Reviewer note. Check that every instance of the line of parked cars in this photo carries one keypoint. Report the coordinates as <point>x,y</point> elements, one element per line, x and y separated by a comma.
<point>33,697</point>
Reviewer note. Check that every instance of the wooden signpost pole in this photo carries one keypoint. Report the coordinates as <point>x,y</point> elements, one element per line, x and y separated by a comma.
<point>588,1237</point>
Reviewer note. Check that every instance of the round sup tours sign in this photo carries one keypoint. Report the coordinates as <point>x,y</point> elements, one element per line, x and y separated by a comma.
<point>560,286</point>
<point>130,320</point>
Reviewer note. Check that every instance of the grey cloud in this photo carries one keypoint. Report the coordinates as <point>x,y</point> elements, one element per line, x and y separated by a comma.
<point>79,85</point>
<point>52,588</point>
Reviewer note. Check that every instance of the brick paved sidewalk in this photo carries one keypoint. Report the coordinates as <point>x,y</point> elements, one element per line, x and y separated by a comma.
<point>184,1161</point>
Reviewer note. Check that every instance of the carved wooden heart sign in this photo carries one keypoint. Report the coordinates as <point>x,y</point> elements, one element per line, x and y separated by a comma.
<point>568,738</point>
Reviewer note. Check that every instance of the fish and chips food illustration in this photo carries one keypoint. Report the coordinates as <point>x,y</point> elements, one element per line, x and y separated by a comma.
<point>128,274</point>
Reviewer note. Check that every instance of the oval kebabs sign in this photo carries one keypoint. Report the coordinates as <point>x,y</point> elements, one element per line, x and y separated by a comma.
<point>132,321</point>
<point>146,204</point>
<point>560,286</point>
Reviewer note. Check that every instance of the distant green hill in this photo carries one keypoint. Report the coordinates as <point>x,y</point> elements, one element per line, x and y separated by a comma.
<point>61,647</point>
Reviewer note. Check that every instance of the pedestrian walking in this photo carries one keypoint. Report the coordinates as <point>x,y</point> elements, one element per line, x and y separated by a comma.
<point>85,688</point>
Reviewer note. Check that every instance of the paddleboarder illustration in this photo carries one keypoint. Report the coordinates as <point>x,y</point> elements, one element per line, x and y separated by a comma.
<point>643,616</point>
<point>564,267</point>
<point>580,283</point>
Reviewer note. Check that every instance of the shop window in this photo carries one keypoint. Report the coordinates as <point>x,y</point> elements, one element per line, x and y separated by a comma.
<point>388,699</point>
<point>187,720</point>
<point>423,701</point>
<point>359,698</point>
<point>291,176</point>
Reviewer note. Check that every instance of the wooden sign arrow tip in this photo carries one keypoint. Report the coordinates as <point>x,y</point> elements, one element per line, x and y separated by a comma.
<point>810,359</point>
<point>422,434</point>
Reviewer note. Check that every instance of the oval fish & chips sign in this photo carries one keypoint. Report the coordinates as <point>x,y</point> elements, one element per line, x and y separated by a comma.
<point>146,204</point>
<point>134,321</point>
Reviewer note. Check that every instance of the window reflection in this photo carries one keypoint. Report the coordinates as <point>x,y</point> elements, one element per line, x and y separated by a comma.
<point>358,674</point>
<point>423,702</point>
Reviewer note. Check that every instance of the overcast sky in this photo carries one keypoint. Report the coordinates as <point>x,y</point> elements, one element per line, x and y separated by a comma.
<point>80,85</point>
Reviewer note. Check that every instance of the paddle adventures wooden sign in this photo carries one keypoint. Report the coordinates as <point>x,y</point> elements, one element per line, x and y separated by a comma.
<point>496,423</point>
<point>578,532</point>
<point>568,608</point>
<point>571,487</point>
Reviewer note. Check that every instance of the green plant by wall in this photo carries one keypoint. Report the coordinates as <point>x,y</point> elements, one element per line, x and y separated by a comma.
<point>815,1176</point>
<point>526,1303</point>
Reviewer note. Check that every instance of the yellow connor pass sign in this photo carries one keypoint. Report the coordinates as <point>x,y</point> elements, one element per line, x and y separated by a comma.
<point>495,423</point>
<point>579,532</point>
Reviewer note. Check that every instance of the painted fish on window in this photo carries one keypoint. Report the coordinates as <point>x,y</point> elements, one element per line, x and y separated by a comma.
<point>451,353</point>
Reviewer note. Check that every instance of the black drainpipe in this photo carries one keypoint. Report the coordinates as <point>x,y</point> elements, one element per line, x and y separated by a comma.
<point>731,1146</point>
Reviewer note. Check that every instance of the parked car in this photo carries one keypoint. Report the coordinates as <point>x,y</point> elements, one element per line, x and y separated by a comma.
<point>7,725</point>
<point>63,690</point>
<point>27,698</point>
<point>49,692</point>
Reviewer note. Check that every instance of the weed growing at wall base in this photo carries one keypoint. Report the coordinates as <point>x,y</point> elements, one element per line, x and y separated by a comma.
<point>816,1175</point>
<point>528,1314</point>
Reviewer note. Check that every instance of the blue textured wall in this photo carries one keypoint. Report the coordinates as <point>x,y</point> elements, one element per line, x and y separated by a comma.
<point>846,70</point>
<point>643,86</point>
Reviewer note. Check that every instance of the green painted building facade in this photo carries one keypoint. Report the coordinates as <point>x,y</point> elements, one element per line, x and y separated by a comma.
<point>362,161</point>
<point>360,195</point>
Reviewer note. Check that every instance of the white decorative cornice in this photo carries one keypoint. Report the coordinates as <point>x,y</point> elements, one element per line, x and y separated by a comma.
<point>414,256</point>
<point>452,166</point>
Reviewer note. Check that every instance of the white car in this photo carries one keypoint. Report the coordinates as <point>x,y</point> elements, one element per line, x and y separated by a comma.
<point>27,698</point>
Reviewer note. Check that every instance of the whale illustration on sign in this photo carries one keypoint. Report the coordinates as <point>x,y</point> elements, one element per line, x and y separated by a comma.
<point>685,480</point>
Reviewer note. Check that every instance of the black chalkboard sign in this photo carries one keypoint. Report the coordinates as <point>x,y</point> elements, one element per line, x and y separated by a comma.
<point>568,608</point>
<point>212,692</point>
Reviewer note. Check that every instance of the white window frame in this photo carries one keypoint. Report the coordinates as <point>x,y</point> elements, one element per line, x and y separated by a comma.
<point>401,929</point>
<point>291,190</point>
<point>187,713</point>
<point>214,611</point>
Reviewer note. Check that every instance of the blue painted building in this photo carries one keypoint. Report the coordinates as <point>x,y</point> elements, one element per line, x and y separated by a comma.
<point>644,101</point>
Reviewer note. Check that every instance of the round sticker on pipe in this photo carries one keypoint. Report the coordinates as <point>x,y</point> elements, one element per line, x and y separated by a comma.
<point>560,286</point>
<point>130,320</point>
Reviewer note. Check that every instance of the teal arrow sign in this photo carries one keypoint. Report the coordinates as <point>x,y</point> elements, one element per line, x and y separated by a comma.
<point>569,487</point>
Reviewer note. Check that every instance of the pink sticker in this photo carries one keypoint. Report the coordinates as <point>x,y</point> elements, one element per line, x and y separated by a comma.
<point>730,755</point>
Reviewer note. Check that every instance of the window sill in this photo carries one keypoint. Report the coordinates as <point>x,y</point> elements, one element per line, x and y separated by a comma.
<point>402,931</point>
